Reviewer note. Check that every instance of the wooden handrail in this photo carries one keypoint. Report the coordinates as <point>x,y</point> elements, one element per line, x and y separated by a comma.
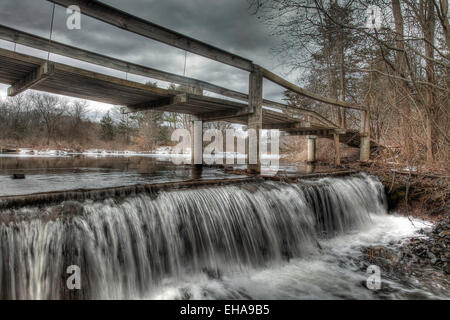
<point>129,22</point>
<point>290,86</point>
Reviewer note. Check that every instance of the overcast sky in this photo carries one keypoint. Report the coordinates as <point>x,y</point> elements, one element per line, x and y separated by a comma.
<point>227,24</point>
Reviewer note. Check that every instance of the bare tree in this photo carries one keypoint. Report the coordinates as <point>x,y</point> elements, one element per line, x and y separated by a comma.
<point>399,70</point>
<point>77,112</point>
<point>51,109</point>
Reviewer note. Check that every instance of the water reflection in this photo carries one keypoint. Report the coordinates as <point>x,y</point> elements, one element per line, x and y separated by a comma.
<point>86,172</point>
<point>55,173</point>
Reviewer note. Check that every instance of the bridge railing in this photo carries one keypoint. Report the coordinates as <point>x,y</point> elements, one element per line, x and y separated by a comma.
<point>126,21</point>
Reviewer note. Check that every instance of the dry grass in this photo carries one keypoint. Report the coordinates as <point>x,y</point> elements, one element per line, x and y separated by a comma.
<point>295,149</point>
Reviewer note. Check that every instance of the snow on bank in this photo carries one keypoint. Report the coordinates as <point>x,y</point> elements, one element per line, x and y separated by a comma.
<point>160,152</point>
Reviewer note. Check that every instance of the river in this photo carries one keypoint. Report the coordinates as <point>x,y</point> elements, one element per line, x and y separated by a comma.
<point>260,240</point>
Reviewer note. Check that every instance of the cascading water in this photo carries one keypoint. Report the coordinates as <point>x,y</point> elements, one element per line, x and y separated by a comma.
<point>132,247</point>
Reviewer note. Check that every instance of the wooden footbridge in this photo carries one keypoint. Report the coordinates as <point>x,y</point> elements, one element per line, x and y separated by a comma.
<point>24,72</point>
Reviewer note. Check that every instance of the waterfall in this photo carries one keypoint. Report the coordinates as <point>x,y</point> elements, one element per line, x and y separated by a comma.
<point>125,248</point>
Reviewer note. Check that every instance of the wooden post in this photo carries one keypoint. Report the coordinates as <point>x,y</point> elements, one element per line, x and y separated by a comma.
<point>195,90</point>
<point>254,120</point>
<point>311,149</point>
<point>337,150</point>
<point>196,147</point>
<point>343,123</point>
<point>365,136</point>
<point>310,167</point>
<point>32,79</point>
<point>196,139</point>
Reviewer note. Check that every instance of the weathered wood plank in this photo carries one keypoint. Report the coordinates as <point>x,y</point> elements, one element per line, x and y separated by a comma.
<point>365,136</point>
<point>155,104</point>
<point>30,40</point>
<point>138,96</point>
<point>216,101</point>
<point>337,150</point>
<point>111,79</point>
<point>255,119</point>
<point>126,21</point>
<point>148,105</point>
<point>45,198</point>
<point>307,132</point>
<point>290,86</point>
<point>33,78</point>
<point>223,115</point>
<point>297,110</point>
<point>281,126</point>
<point>37,42</point>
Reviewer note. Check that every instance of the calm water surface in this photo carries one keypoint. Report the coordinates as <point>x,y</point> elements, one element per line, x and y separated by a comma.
<point>75,172</point>
<point>55,173</point>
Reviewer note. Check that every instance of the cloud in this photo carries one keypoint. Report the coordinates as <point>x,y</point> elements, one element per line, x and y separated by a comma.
<point>227,24</point>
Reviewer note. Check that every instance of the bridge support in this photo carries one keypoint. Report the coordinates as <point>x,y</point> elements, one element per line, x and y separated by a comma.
<point>337,150</point>
<point>254,124</point>
<point>310,167</point>
<point>196,138</point>
<point>196,147</point>
<point>365,136</point>
<point>311,158</point>
<point>33,78</point>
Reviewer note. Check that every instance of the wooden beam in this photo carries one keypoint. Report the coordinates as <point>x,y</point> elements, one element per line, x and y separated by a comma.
<point>21,56</point>
<point>309,131</point>
<point>33,78</point>
<point>155,104</point>
<point>216,101</point>
<point>33,41</point>
<point>254,120</point>
<point>364,148</point>
<point>311,149</point>
<point>337,150</point>
<point>329,131</point>
<point>30,40</point>
<point>281,126</point>
<point>111,79</point>
<point>223,115</point>
<point>290,86</point>
<point>295,110</point>
<point>148,105</point>
<point>196,142</point>
<point>72,81</point>
<point>126,21</point>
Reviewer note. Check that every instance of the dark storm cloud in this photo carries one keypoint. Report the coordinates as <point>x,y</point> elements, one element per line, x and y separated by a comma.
<point>227,24</point>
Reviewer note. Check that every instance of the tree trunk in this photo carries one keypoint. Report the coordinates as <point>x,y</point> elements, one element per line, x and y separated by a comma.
<point>400,59</point>
<point>342,79</point>
<point>429,36</point>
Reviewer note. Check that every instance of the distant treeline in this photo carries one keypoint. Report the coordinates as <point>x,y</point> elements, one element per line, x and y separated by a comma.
<point>40,120</point>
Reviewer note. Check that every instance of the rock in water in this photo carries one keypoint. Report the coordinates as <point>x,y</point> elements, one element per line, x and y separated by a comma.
<point>432,257</point>
<point>18,176</point>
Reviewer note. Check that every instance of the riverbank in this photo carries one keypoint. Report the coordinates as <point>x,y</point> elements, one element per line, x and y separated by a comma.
<point>423,194</point>
<point>416,195</point>
<point>91,151</point>
<point>424,258</point>
<point>280,242</point>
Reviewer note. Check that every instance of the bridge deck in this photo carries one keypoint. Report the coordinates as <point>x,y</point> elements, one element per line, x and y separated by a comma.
<point>17,69</point>
<point>81,83</point>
